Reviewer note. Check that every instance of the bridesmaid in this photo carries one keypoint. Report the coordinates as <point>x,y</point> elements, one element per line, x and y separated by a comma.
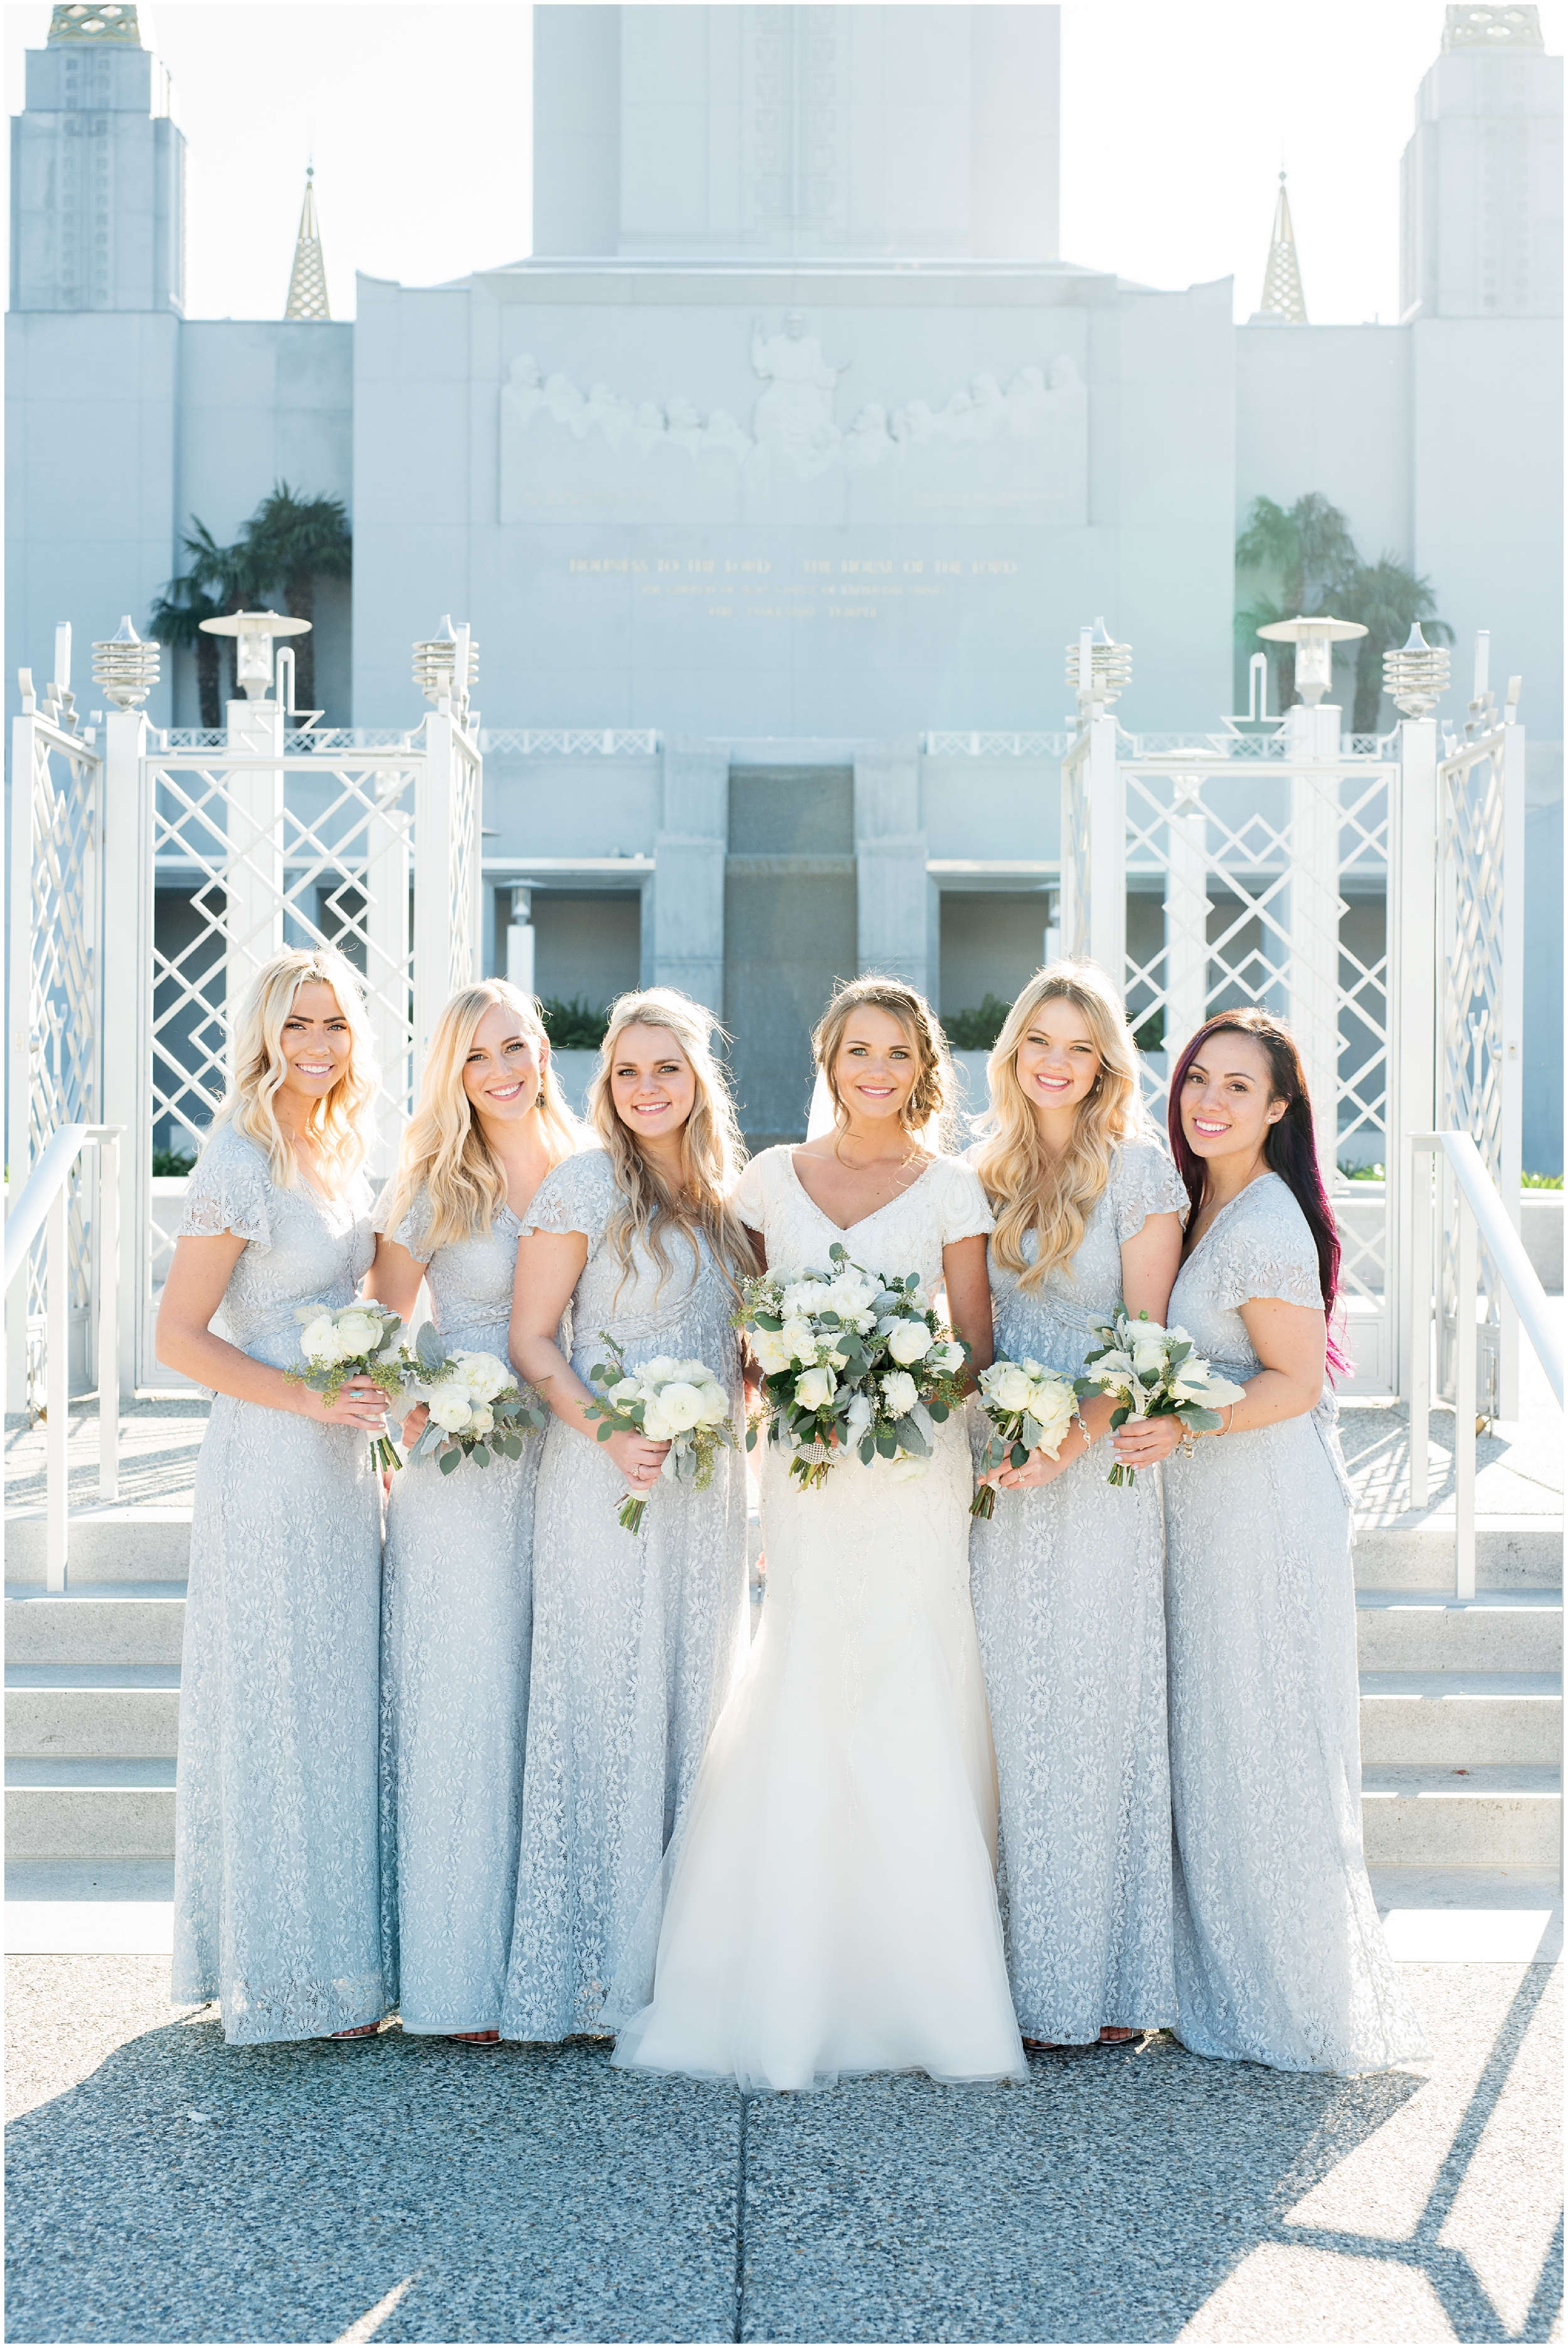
<point>276,1881</point>
<point>1280,1958</point>
<point>637,1638</point>
<point>1068,1573</point>
<point>456,1610</point>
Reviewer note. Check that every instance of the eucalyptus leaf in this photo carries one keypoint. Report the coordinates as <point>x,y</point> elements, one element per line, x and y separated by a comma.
<point>888,1445</point>
<point>428,1347</point>
<point>1030,1432</point>
<point>480,1456</point>
<point>450,1459</point>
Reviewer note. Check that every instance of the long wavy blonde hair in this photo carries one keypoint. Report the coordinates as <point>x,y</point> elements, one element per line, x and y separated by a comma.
<point>1028,1189</point>
<point>925,1115</point>
<point>445,1152</point>
<point>339,1125</point>
<point>711,1152</point>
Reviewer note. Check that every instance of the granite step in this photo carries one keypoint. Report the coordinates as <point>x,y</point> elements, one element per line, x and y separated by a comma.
<point>1416,1552</point>
<point>107,1544</point>
<point>109,1711</point>
<point>1427,1631</point>
<point>1435,1815</point>
<point>1462,1718</point>
<point>82,1809</point>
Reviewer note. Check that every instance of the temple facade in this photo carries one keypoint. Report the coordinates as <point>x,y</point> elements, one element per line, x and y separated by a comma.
<point>794,454</point>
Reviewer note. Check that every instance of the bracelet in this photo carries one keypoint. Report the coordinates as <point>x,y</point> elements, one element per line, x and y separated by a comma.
<point>1231,1422</point>
<point>1081,1424</point>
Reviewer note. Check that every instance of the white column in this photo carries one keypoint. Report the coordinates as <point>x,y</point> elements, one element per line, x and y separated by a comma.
<point>1315,923</point>
<point>1413,1010</point>
<point>520,942</point>
<point>253,868</point>
<point>387,952</point>
<point>1186,924</point>
<point>434,831</point>
<point>19,1059</point>
<point>1509,1029</point>
<point>1107,923</point>
<point>127,1022</point>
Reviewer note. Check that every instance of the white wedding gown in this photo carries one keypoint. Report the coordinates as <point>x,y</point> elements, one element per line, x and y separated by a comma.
<point>832,1901</point>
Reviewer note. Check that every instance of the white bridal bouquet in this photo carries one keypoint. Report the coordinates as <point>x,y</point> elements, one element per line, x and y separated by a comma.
<point>852,1361</point>
<point>343,1342</point>
<point>682,1404</point>
<point>1154,1374</point>
<point>477,1409</point>
<point>1030,1408</point>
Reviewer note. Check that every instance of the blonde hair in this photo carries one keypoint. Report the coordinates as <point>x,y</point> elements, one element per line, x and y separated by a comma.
<point>1030,1189</point>
<point>445,1152</point>
<point>712,1153</point>
<point>340,1124</point>
<point>925,1115</point>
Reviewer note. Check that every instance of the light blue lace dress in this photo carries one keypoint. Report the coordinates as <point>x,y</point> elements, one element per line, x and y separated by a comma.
<point>456,1619</point>
<point>1280,1958</point>
<point>1070,1601</point>
<point>637,1638</point>
<point>276,1897</point>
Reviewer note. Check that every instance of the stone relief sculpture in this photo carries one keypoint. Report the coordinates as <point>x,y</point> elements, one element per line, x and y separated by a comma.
<point>794,414</point>
<point>793,417</point>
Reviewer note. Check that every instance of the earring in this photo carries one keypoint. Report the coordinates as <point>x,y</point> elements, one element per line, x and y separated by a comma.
<point>539,1098</point>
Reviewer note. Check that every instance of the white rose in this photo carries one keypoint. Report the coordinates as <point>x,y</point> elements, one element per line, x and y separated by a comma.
<point>814,1387</point>
<point>901,1394</point>
<point>659,1370</point>
<point>680,1405</point>
<point>357,1333</point>
<point>481,1418</point>
<point>655,1427</point>
<point>694,1373</point>
<point>451,1410</point>
<point>624,1390</point>
<point>318,1339</point>
<point>910,1341</point>
<point>798,1339</point>
<point>948,1357</point>
<point>907,1469</point>
<point>860,1414</point>
<point>802,1296</point>
<point>1051,1409</point>
<point>715,1406</point>
<point>1009,1386</point>
<point>772,1353</point>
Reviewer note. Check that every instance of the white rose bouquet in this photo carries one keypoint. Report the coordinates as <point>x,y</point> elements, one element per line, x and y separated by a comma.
<point>1029,1409</point>
<point>1154,1373</point>
<point>344,1342</point>
<point>478,1411</point>
<point>852,1362</point>
<point>682,1404</point>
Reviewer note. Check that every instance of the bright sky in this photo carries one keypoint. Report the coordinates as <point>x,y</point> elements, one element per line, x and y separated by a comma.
<point>1176,120</point>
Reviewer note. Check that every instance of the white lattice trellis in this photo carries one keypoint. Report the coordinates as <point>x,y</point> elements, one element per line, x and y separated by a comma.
<point>372,849</point>
<point>55,1059</point>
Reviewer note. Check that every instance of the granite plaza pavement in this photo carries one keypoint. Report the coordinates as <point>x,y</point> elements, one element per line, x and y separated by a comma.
<point>165,2187</point>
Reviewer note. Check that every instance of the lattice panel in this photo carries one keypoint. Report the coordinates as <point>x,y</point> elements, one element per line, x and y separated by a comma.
<point>1470,802</point>
<point>1250,886</point>
<point>327,865</point>
<point>62,1010</point>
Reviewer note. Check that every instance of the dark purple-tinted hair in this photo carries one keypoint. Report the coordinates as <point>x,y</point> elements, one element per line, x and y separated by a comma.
<point>1289,1146</point>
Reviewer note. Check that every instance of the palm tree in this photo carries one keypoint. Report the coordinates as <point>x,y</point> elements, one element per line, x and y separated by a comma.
<point>176,618</point>
<point>290,543</point>
<point>1386,597</point>
<point>1303,551</point>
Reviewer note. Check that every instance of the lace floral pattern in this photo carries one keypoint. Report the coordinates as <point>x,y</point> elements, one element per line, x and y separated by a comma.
<point>832,1906</point>
<point>1068,1589</point>
<point>276,1895</point>
<point>636,1639</point>
<point>457,1623</point>
<point>1280,1958</point>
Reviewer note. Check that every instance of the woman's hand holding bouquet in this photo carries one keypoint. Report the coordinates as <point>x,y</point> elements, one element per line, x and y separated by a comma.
<point>1029,1409</point>
<point>682,1404</point>
<point>1154,1373</point>
<point>353,1347</point>
<point>478,1410</point>
<point>852,1362</point>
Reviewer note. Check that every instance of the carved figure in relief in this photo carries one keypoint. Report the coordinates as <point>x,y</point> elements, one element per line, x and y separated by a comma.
<point>794,414</point>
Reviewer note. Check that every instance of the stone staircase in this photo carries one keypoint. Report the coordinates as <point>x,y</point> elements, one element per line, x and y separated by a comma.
<point>1461,1701</point>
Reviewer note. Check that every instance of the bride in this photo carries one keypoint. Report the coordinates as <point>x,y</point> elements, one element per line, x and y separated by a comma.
<point>832,1903</point>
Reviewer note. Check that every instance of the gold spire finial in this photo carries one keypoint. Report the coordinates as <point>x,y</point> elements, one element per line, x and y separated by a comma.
<point>1282,294</point>
<point>308,283</point>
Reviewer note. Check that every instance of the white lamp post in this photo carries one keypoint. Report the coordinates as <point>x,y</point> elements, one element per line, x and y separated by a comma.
<point>1314,641</point>
<point>447,665</point>
<point>253,633</point>
<point>1098,669</point>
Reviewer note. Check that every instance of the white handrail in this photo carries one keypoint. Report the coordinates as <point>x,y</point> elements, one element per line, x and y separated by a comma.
<point>45,1205</point>
<point>1481,1217</point>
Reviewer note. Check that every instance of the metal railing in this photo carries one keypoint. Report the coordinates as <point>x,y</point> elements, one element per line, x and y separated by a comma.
<point>45,1205</point>
<point>1480,1218</point>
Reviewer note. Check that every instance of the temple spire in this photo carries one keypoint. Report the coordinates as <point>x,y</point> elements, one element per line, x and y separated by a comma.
<point>1282,294</point>
<point>308,283</point>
